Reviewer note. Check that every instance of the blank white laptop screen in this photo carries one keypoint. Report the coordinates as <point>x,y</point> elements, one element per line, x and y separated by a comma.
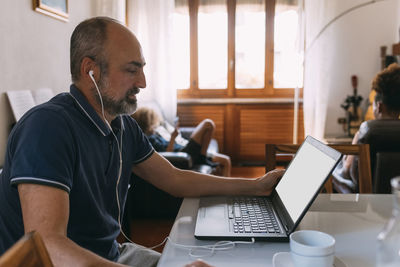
<point>302,179</point>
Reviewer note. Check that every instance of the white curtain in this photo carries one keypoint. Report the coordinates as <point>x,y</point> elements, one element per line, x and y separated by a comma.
<point>151,21</point>
<point>320,62</point>
<point>111,8</point>
<point>321,65</point>
<point>300,66</point>
<point>315,95</point>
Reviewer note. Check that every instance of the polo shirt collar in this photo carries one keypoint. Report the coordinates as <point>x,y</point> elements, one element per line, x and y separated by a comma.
<point>92,114</point>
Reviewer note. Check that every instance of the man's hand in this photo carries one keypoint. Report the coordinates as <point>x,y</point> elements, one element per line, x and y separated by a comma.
<point>269,180</point>
<point>198,263</point>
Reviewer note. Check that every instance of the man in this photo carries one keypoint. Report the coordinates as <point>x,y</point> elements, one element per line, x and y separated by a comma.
<point>68,161</point>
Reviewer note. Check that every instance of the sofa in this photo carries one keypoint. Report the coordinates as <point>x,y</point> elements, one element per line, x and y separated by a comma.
<point>181,159</point>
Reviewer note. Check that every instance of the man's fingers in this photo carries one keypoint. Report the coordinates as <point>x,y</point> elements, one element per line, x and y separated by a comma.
<point>277,173</point>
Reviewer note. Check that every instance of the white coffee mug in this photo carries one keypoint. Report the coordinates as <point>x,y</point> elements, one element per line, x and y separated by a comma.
<point>312,248</point>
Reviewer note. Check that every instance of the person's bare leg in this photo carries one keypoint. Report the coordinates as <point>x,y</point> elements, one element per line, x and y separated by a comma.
<point>203,133</point>
<point>224,162</point>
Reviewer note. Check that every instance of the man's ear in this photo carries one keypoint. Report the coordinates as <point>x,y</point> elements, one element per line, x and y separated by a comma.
<point>380,106</point>
<point>87,65</point>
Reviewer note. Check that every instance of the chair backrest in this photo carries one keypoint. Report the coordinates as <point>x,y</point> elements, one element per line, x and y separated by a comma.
<point>286,151</point>
<point>383,136</point>
<point>386,167</point>
<point>29,251</point>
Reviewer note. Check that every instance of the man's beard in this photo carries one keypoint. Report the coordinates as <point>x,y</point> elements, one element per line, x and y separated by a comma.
<point>123,106</point>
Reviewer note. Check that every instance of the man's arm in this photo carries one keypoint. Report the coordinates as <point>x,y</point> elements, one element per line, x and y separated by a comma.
<point>162,174</point>
<point>45,209</point>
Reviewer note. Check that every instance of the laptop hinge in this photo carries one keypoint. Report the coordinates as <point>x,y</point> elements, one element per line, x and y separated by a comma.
<point>286,228</point>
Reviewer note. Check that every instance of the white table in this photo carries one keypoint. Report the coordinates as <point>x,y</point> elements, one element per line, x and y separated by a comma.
<point>354,220</point>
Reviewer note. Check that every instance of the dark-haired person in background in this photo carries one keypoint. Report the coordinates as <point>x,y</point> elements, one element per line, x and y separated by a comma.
<point>386,106</point>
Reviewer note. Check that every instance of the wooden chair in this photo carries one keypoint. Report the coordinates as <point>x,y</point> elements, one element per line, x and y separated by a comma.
<point>383,137</point>
<point>29,251</point>
<point>284,152</point>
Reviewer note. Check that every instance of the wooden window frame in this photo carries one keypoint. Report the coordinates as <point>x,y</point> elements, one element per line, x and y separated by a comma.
<point>231,91</point>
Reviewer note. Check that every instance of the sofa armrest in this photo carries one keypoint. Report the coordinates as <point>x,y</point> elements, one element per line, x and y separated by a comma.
<point>180,160</point>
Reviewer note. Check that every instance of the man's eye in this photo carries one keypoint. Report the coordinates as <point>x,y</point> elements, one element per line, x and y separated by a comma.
<point>132,70</point>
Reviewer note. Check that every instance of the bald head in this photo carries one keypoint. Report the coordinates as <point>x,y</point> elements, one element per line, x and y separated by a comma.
<point>122,43</point>
<point>90,38</point>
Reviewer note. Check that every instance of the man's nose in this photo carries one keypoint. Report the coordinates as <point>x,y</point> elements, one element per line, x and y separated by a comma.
<point>141,81</point>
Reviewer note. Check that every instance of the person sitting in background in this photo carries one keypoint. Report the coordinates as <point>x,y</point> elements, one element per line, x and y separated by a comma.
<point>196,147</point>
<point>386,106</point>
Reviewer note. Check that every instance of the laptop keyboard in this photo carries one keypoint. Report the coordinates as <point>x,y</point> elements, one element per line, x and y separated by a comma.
<point>252,215</point>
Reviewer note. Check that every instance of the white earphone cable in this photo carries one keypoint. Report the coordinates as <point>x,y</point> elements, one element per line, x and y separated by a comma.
<point>101,98</point>
<point>211,249</point>
<point>218,246</point>
<point>119,145</point>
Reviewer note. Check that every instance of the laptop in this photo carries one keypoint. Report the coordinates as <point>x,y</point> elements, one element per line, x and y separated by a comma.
<point>274,217</point>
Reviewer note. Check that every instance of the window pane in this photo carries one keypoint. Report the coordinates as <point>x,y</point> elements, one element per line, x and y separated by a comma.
<point>288,72</point>
<point>213,46</point>
<point>250,44</point>
<point>181,50</point>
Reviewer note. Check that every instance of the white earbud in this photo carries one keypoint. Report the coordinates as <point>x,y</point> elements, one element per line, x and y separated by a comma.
<point>91,74</point>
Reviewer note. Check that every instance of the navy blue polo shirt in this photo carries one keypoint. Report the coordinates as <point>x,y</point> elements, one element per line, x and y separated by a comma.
<point>64,143</point>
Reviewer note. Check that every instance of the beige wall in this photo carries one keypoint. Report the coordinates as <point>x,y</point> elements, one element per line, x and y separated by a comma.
<point>34,52</point>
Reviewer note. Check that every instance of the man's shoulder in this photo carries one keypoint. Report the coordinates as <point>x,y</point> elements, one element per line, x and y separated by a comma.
<point>53,114</point>
<point>57,104</point>
<point>60,102</point>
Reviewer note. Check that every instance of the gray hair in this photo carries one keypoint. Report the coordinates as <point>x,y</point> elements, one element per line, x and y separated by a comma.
<point>88,40</point>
